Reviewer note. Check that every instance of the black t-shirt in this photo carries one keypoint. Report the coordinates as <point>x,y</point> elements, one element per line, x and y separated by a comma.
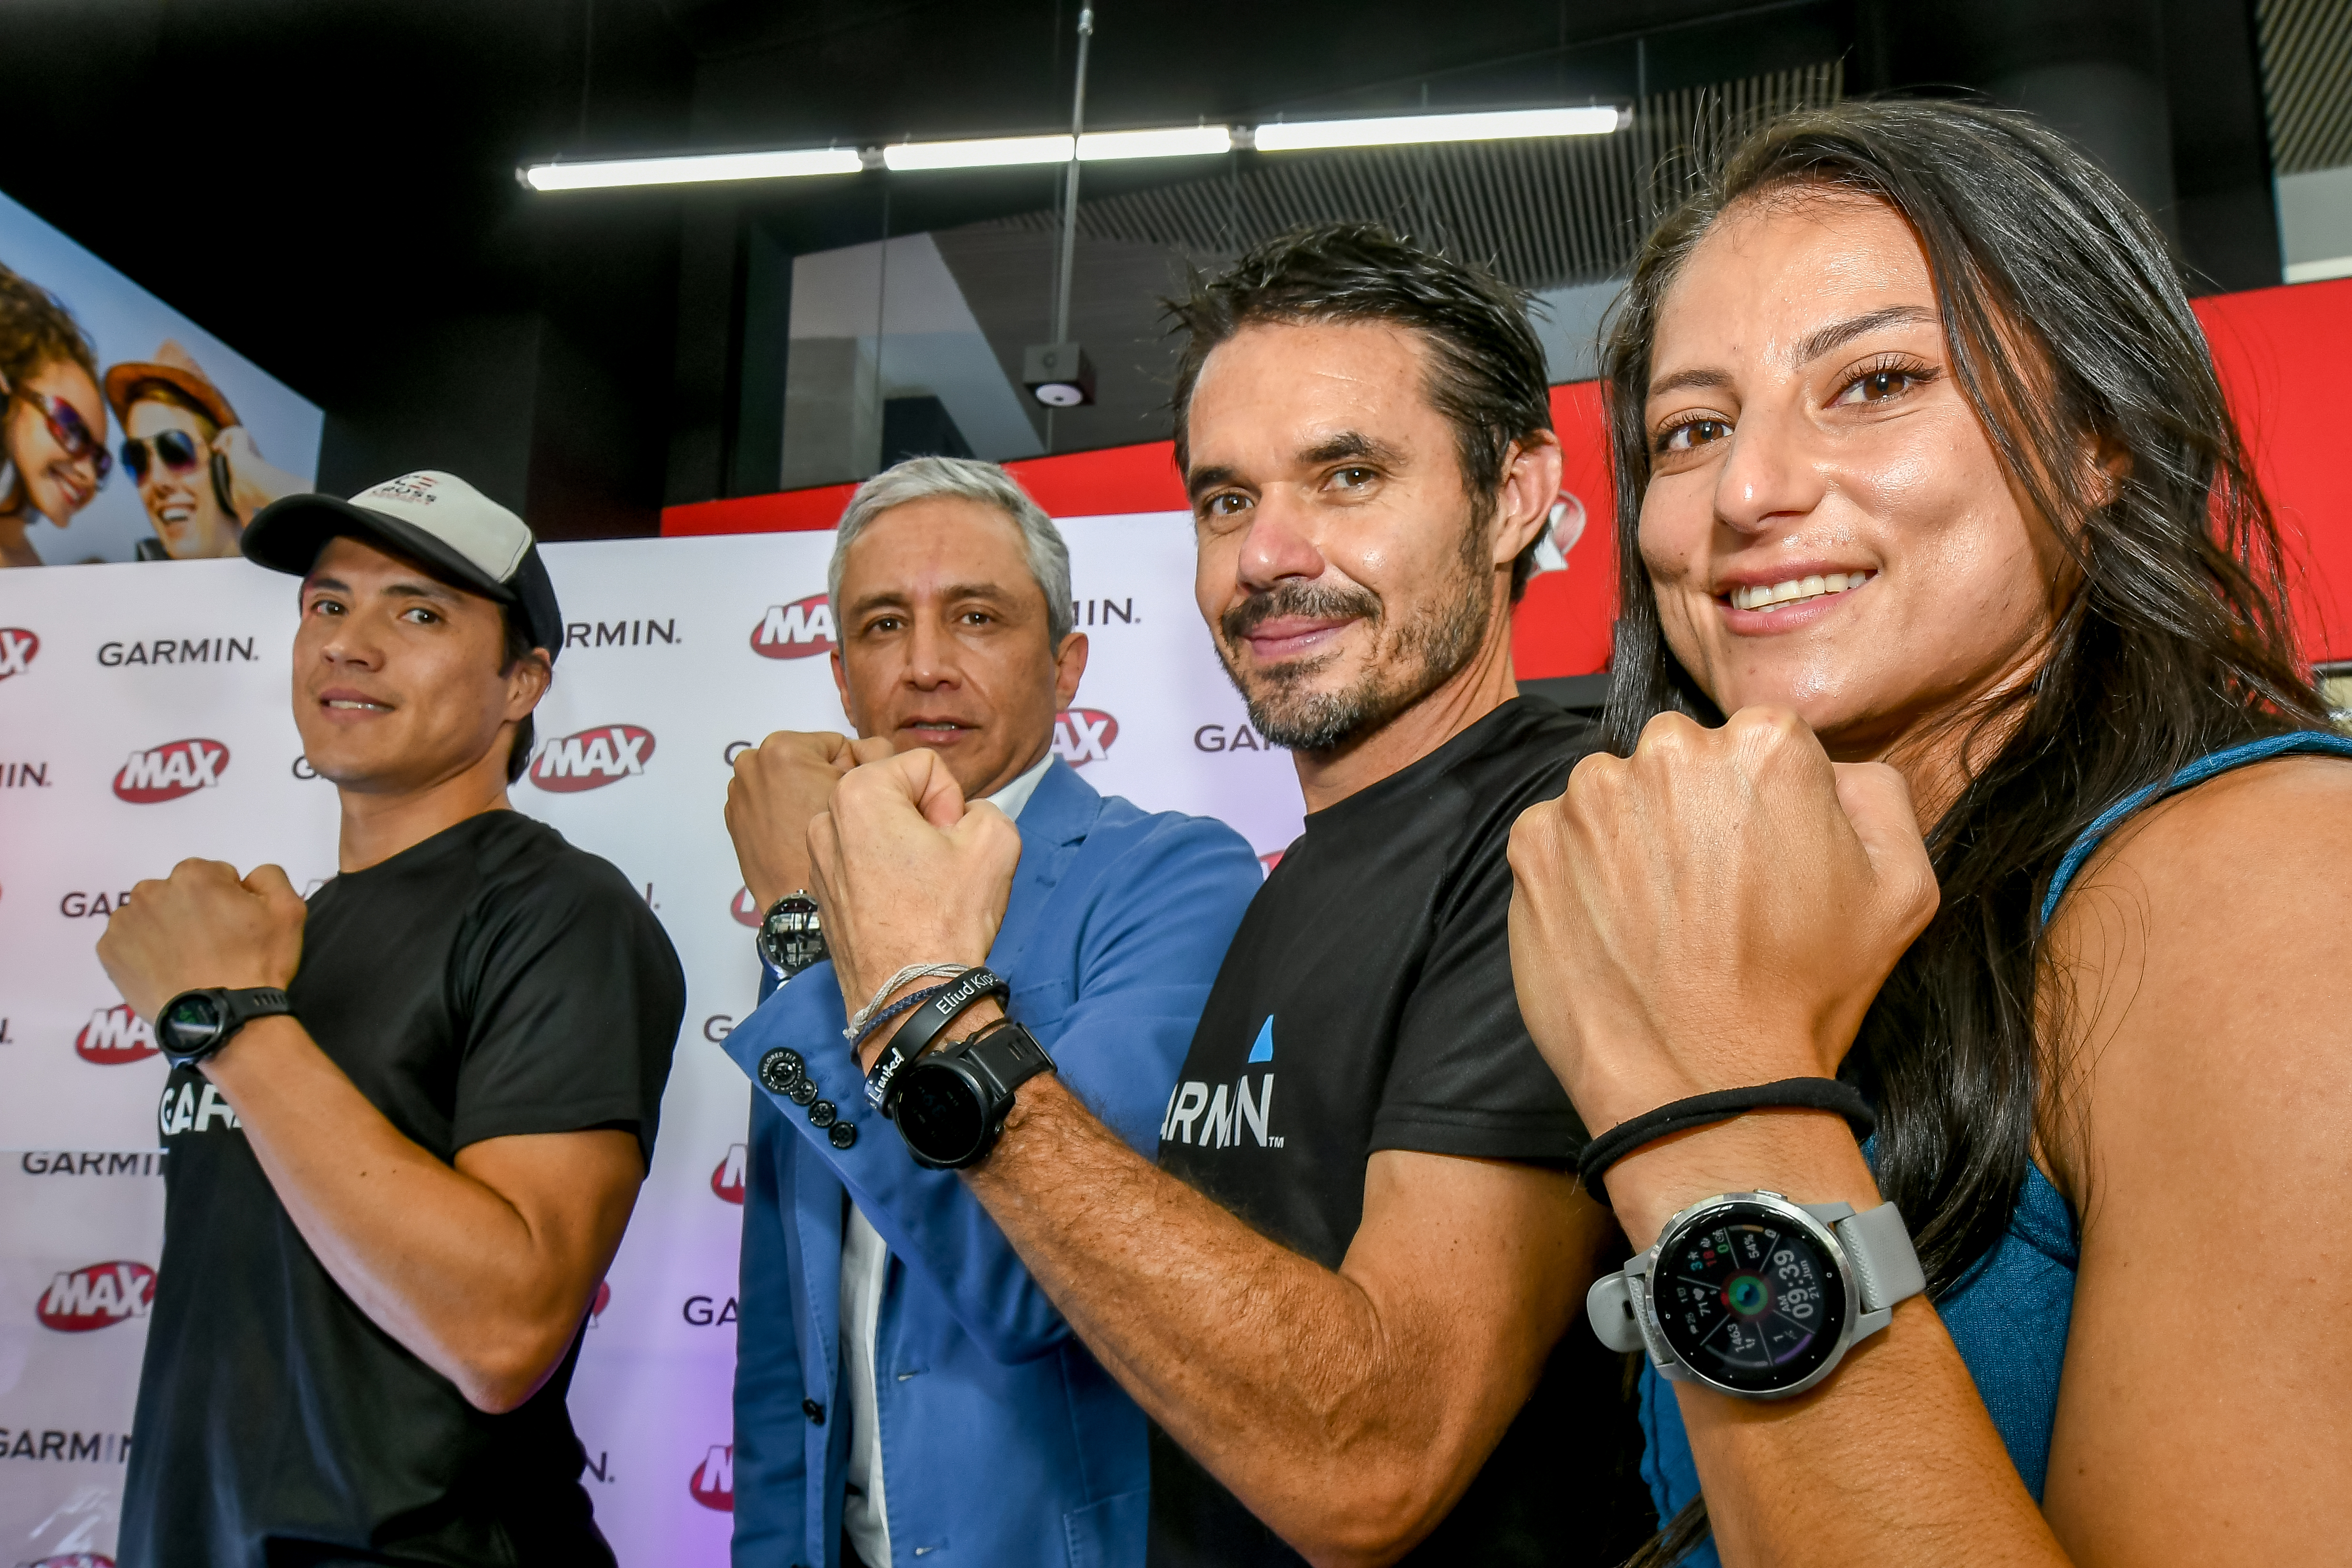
<point>1372,977</point>
<point>490,981</point>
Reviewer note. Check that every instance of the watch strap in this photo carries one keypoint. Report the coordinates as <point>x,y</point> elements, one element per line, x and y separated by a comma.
<point>1885,1265</point>
<point>916,1035</point>
<point>238,1009</point>
<point>1007,1054</point>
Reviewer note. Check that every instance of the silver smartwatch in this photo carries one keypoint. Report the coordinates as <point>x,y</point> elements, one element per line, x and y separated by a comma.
<point>1758,1297</point>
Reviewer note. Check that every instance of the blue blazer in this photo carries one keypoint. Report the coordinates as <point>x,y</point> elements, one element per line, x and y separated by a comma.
<point>1004,1441</point>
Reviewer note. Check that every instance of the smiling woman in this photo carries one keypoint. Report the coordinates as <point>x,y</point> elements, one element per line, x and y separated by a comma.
<point>1926,482</point>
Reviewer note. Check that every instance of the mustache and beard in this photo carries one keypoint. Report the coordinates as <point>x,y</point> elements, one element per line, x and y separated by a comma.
<point>1416,647</point>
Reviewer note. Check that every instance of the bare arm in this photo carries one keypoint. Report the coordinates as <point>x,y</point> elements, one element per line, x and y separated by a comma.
<point>2203,1402</point>
<point>1348,1410</point>
<point>483,1271</point>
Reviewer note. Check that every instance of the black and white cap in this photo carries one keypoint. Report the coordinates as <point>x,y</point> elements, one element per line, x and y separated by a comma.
<point>435,519</point>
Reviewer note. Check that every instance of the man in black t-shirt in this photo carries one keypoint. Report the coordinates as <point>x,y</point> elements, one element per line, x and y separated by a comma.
<point>408,1122</point>
<point>1345,1296</point>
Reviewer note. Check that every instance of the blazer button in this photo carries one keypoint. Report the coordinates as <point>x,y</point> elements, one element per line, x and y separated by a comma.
<point>814,1411</point>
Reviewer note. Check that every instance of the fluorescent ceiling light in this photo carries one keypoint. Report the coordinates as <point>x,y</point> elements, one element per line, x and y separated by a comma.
<point>693,170</point>
<point>1301,135</point>
<point>1184,141</point>
<point>990,153</point>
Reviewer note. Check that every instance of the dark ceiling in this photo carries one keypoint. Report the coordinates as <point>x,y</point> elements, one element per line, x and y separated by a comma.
<point>330,186</point>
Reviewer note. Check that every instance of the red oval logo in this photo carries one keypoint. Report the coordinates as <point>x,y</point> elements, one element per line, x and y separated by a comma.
<point>17,648</point>
<point>97,1297</point>
<point>745,912</point>
<point>603,1298</point>
<point>114,1036</point>
<point>713,1482</point>
<point>726,1179</point>
<point>801,629</point>
<point>591,759</point>
<point>1082,735</point>
<point>169,771</point>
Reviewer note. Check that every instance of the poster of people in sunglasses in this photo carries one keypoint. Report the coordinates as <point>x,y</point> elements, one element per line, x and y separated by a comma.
<point>127,432</point>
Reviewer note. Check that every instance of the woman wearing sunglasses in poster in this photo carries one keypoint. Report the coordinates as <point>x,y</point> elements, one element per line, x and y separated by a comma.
<point>53,452</point>
<point>199,474</point>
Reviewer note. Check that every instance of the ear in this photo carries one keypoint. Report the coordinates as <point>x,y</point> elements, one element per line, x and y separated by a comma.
<point>527,682</point>
<point>2110,465</point>
<point>841,686</point>
<point>1069,668</point>
<point>1530,485</point>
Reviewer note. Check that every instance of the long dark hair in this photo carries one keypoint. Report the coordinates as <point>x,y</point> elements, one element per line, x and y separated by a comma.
<point>2174,642</point>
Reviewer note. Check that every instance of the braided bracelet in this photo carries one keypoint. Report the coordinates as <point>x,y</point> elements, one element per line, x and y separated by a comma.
<point>865,1015</point>
<point>1701,1110</point>
<point>906,1004</point>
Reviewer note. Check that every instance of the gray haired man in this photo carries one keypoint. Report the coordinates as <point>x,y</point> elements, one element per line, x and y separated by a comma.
<point>902,1385</point>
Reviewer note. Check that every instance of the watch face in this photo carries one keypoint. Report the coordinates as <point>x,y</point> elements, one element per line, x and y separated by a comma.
<point>1749,1298</point>
<point>792,937</point>
<point>191,1022</point>
<point>940,1114</point>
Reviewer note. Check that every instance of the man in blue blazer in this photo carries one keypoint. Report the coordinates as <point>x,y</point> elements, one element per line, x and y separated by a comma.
<point>904,1389</point>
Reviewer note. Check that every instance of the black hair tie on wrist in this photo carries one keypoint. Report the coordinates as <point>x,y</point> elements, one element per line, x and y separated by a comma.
<point>1722,1105</point>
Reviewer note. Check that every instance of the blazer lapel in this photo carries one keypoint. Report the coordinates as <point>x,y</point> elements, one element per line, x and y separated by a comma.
<point>1054,825</point>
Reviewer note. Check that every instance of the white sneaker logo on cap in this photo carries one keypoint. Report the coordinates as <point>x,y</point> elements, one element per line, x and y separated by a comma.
<point>457,514</point>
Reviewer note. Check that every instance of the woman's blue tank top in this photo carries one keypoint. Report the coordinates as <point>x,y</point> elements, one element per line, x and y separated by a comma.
<point>2008,1313</point>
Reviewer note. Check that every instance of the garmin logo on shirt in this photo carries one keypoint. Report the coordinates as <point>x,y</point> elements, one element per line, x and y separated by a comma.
<point>186,1110</point>
<point>114,1036</point>
<point>801,629</point>
<point>1224,1114</point>
<point>713,1481</point>
<point>591,759</point>
<point>169,771</point>
<point>96,1296</point>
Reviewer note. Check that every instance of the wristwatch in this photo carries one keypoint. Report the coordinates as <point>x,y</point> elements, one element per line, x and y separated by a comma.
<point>194,1024</point>
<point>950,1105</point>
<point>1758,1297</point>
<point>791,934</point>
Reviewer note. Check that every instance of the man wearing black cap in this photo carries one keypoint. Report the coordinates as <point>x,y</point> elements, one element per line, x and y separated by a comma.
<point>408,1122</point>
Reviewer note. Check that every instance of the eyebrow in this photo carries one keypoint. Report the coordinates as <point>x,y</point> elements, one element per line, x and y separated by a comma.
<point>895,598</point>
<point>426,589</point>
<point>1810,347</point>
<point>1337,449</point>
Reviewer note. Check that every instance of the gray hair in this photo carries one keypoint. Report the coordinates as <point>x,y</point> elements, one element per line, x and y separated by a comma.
<point>965,479</point>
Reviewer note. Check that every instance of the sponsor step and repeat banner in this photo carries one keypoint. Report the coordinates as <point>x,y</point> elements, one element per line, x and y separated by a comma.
<point>144,718</point>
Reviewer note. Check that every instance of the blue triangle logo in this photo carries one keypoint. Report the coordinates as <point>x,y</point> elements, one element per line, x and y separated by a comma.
<point>1263,1051</point>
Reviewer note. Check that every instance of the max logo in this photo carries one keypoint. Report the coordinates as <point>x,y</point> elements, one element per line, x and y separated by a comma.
<point>1084,735</point>
<point>798,630</point>
<point>115,1034</point>
<point>169,772</point>
<point>17,648</point>
<point>591,759</point>
<point>745,909</point>
<point>97,1297</point>
<point>713,1481</point>
<point>726,1179</point>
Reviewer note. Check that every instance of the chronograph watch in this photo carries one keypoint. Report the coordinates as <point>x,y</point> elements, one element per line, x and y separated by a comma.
<point>1756,1296</point>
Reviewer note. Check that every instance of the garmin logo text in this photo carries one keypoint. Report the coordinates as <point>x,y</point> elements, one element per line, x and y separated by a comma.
<point>1102,612</point>
<point>1222,1115</point>
<point>185,1112</point>
<point>71,1448</point>
<point>591,759</point>
<point>17,648</point>
<point>114,1036</point>
<point>713,1481</point>
<point>111,1162</point>
<point>24,775</point>
<point>97,1297</point>
<point>619,634</point>
<point>169,771</point>
<point>187,650</point>
<point>801,629</point>
<point>1082,735</point>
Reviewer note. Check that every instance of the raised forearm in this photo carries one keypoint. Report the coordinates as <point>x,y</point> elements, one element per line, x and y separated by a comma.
<point>1282,1377</point>
<point>437,1259</point>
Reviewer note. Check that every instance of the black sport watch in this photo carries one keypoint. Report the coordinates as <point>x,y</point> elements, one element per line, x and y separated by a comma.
<point>196,1024</point>
<point>950,1105</point>
<point>791,934</point>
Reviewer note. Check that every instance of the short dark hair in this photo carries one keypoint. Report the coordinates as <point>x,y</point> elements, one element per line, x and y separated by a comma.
<point>518,647</point>
<point>1487,371</point>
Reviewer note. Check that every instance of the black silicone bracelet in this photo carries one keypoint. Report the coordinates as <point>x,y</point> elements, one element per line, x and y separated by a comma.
<point>914,1035</point>
<point>1701,1110</point>
<point>911,1000</point>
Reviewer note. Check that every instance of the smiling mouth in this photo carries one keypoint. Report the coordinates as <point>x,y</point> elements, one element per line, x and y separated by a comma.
<point>1795,591</point>
<point>356,705</point>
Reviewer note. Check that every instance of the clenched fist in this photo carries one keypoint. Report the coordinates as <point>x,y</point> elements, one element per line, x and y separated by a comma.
<point>907,873</point>
<point>780,786</point>
<point>1716,910</point>
<point>203,926</point>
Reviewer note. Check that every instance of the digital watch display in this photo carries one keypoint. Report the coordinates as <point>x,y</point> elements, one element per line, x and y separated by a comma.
<point>1749,1298</point>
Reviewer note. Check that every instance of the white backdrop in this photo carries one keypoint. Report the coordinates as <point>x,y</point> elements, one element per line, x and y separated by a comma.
<point>144,718</point>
